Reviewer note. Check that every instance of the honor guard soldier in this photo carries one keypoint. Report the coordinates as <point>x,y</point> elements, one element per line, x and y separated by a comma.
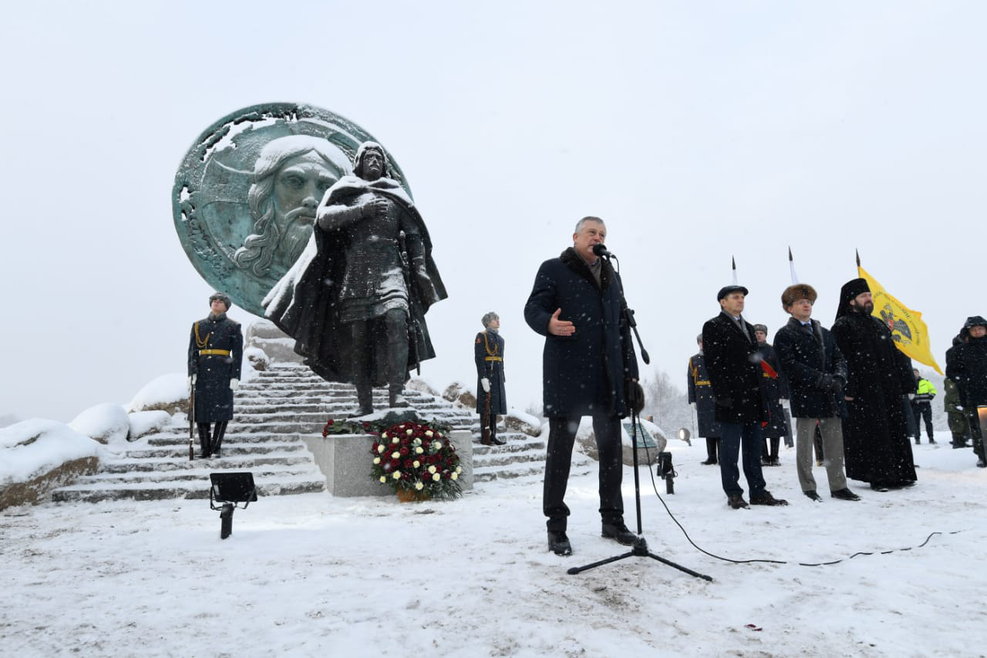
<point>491,399</point>
<point>701,397</point>
<point>215,354</point>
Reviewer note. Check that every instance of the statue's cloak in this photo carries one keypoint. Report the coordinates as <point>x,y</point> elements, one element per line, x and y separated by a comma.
<point>305,302</point>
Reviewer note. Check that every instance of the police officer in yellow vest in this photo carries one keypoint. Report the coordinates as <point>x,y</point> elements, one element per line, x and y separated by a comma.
<point>922,406</point>
<point>215,355</point>
<point>491,398</point>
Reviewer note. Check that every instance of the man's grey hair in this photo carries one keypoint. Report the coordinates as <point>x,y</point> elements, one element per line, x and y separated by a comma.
<point>488,318</point>
<point>579,224</point>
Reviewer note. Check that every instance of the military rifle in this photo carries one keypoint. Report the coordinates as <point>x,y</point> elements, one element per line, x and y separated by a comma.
<point>191,421</point>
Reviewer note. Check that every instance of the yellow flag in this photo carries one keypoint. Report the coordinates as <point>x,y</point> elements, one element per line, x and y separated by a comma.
<point>907,327</point>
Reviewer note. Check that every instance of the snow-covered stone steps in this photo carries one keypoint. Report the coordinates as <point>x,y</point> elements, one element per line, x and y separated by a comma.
<point>235,463</point>
<point>94,492</point>
<point>273,411</point>
<point>230,449</point>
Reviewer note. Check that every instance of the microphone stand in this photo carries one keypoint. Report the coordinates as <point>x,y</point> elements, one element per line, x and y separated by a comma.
<point>635,402</point>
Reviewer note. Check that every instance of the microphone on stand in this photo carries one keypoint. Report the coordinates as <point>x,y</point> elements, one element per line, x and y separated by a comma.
<point>601,251</point>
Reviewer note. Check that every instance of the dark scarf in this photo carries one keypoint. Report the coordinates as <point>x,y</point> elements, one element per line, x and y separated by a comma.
<point>576,263</point>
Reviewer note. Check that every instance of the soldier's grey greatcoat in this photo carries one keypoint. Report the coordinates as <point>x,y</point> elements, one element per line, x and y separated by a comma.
<point>215,356</point>
<point>488,352</point>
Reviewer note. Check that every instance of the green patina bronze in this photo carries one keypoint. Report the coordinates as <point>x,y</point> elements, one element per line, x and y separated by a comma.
<point>246,192</point>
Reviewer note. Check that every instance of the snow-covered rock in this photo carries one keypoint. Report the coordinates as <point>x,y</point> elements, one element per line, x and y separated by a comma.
<point>165,393</point>
<point>419,384</point>
<point>147,422</point>
<point>461,394</point>
<point>521,421</point>
<point>274,343</point>
<point>106,423</point>
<point>586,441</point>
<point>257,358</point>
<point>38,455</point>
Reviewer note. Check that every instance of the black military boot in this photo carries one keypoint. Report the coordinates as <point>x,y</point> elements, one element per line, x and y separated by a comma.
<point>710,452</point>
<point>217,438</point>
<point>364,399</point>
<point>205,444</point>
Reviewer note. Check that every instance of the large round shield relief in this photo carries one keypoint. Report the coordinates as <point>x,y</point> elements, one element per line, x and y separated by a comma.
<point>246,192</point>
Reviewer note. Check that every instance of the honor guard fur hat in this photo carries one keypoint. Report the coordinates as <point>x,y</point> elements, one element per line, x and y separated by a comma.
<point>221,297</point>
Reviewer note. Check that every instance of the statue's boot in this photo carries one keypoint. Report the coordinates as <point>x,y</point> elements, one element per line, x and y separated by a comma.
<point>364,399</point>
<point>397,357</point>
<point>360,366</point>
<point>205,445</point>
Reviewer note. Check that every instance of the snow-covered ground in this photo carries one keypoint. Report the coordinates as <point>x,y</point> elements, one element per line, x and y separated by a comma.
<point>314,575</point>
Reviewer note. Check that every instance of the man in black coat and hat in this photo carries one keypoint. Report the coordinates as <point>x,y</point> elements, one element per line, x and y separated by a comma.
<point>816,372</point>
<point>735,372</point>
<point>491,398</point>
<point>577,303</point>
<point>701,397</point>
<point>966,365</point>
<point>876,431</point>
<point>215,356</point>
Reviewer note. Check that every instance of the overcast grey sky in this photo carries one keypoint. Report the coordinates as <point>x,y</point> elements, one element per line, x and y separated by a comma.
<point>697,130</point>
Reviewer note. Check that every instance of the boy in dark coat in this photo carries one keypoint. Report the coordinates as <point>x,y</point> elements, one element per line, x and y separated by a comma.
<point>734,368</point>
<point>215,355</point>
<point>775,390</point>
<point>488,353</point>
<point>875,432</point>
<point>576,303</point>
<point>816,372</point>
<point>701,396</point>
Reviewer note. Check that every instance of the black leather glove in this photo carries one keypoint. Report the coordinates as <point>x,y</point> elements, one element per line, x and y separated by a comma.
<point>830,383</point>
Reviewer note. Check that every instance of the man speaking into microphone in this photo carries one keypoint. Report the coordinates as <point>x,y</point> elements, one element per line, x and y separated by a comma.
<point>588,360</point>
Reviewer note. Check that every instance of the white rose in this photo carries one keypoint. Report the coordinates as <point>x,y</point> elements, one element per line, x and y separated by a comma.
<point>417,463</point>
<point>383,478</point>
<point>395,440</point>
<point>431,469</point>
<point>384,435</point>
<point>428,434</point>
<point>376,460</point>
<point>459,469</point>
<point>436,477</point>
<point>395,455</point>
<point>419,451</point>
<point>409,432</point>
<point>419,486</point>
<point>380,448</point>
<point>455,476</point>
<point>436,446</point>
<point>396,475</point>
<point>416,442</point>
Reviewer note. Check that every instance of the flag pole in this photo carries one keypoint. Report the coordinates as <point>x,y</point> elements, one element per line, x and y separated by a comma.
<point>791,266</point>
<point>733,265</point>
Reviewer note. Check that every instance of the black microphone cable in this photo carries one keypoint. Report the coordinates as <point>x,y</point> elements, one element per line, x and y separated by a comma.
<point>769,561</point>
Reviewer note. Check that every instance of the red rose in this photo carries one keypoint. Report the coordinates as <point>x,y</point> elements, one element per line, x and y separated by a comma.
<point>403,451</point>
<point>330,422</point>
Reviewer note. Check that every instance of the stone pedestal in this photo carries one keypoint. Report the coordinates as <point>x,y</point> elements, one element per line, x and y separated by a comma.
<point>344,460</point>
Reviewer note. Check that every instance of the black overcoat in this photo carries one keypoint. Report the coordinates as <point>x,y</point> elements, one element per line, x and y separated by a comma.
<point>213,396</point>
<point>701,393</point>
<point>966,365</point>
<point>488,352</point>
<point>775,388</point>
<point>875,432</point>
<point>806,354</point>
<point>734,368</point>
<point>585,373</point>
